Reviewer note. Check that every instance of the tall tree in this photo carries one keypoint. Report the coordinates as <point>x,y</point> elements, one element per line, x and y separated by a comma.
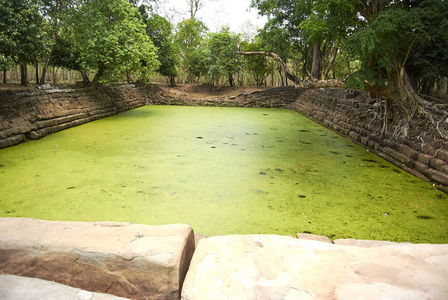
<point>21,35</point>
<point>54,12</point>
<point>194,6</point>
<point>115,44</point>
<point>389,44</point>
<point>189,36</point>
<point>160,31</point>
<point>222,47</point>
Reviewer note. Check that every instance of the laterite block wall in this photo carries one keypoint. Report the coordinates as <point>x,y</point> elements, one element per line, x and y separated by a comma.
<point>32,114</point>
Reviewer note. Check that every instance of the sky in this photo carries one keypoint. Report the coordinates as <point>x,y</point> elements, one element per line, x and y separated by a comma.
<point>215,13</point>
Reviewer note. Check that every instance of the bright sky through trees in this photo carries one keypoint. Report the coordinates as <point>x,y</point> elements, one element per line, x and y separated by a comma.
<point>216,13</point>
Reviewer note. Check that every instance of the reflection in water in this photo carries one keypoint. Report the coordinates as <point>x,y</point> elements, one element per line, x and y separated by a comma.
<point>223,171</point>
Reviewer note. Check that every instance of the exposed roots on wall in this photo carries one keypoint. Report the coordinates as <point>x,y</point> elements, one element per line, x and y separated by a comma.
<point>408,113</point>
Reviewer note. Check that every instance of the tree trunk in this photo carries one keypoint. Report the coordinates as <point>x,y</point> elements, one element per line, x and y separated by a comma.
<point>172,80</point>
<point>54,75</point>
<point>23,75</point>
<point>4,75</point>
<point>44,70</point>
<point>281,77</point>
<point>348,67</point>
<point>410,104</point>
<point>37,73</point>
<point>85,77</point>
<point>231,80</point>
<point>330,65</point>
<point>316,61</point>
<point>95,82</point>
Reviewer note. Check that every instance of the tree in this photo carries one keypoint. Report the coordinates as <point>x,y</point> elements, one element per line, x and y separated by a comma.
<point>64,55</point>
<point>194,6</point>
<point>189,36</point>
<point>222,48</point>
<point>160,32</point>
<point>5,64</point>
<point>320,23</point>
<point>389,43</point>
<point>276,40</point>
<point>21,36</point>
<point>190,33</point>
<point>258,65</point>
<point>115,44</point>
<point>54,13</point>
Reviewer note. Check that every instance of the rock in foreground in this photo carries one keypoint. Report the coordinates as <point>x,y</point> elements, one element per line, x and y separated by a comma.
<point>24,288</point>
<point>279,267</point>
<point>123,259</point>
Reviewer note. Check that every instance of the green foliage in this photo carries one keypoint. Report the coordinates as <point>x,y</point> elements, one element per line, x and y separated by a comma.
<point>190,34</point>
<point>258,66</point>
<point>215,58</point>
<point>198,61</point>
<point>400,35</point>
<point>428,60</point>
<point>159,30</point>
<point>21,36</point>
<point>111,39</point>
<point>65,55</point>
<point>223,48</point>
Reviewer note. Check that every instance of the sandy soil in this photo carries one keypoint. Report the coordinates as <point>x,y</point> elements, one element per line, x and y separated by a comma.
<point>191,89</point>
<point>195,91</point>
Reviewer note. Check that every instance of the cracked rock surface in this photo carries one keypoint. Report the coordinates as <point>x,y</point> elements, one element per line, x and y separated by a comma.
<point>123,259</point>
<point>279,267</point>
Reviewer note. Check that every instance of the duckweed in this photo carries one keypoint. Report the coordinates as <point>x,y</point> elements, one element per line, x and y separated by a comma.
<point>223,171</point>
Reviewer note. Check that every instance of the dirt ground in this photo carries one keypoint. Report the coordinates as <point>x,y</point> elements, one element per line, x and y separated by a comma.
<point>202,91</point>
<point>194,91</point>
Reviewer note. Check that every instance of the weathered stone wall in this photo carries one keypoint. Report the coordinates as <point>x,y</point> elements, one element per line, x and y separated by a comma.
<point>32,114</point>
<point>352,114</point>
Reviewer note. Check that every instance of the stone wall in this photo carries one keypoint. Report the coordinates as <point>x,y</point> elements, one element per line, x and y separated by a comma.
<point>352,114</point>
<point>32,114</point>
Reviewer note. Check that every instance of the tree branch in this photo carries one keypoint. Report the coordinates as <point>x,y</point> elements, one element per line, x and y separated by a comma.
<point>285,68</point>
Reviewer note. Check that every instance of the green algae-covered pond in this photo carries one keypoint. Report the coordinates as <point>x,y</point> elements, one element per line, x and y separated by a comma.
<point>223,171</point>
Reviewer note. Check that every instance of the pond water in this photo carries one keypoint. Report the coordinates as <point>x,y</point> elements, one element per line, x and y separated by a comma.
<point>223,171</point>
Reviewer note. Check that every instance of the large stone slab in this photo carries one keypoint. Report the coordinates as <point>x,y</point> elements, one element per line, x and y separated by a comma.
<point>123,259</point>
<point>279,267</point>
<point>15,287</point>
<point>365,243</point>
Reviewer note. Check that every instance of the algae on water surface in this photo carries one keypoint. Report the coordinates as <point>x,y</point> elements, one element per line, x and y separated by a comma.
<point>223,171</point>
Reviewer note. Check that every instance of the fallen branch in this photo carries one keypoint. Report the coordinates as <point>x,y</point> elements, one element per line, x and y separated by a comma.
<point>285,68</point>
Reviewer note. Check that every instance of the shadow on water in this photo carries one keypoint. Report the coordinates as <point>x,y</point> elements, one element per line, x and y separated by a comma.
<point>223,171</point>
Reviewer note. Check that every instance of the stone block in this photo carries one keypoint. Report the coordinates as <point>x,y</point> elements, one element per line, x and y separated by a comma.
<point>123,259</point>
<point>364,243</point>
<point>24,288</point>
<point>424,158</point>
<point>437,176</point>
<point>279,267</point>
<point>313,237</point>
<point>34,135</point>
<point>437,163</point>
<point>408,151</point>
<point>198,237</point>
<point>443,154</point>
